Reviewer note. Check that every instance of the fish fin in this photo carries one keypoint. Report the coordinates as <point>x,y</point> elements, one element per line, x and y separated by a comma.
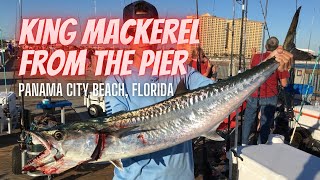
<point>97,151</point>
<point>116,133</point>
<point>118,164</point>
<point>292,31</point>
<point>181,88</point>
<point>117,113</point>
<point>124,132</point>
<point>300,55</point>
<point>212,134</point>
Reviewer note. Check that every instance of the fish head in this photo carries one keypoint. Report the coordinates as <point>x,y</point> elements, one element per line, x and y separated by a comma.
<point>64,149</point>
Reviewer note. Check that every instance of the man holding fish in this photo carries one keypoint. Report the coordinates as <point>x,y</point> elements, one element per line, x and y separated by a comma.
<point>175,162</point>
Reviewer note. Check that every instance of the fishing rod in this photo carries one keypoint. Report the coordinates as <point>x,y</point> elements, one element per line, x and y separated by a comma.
<point>241,34</point>
<point>236,129</point>
<point>245,36</point>
<point>207,169</point>
<point>231,56</point>
<point>229,117</point>
<point>3,62</point>
<point>199,46</point>
<point>311,31</point>
<point>22,77</point>
<point>240,53</point>
<point>231,69</point>
<point>15,26</point>
<point>232,37</point>
<point>265,27</point>
<point>213,7</point>
<point>23,124</point>
<point>262,50</point>
<point>95,8</point>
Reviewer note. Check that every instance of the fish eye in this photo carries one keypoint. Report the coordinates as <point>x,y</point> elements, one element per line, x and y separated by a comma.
<point>58,135</point>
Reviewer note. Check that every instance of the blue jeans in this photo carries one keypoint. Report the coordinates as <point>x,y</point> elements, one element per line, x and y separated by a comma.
<point>267,108</point>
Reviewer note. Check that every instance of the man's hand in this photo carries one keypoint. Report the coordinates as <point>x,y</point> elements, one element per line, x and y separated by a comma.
<point>283,57</point>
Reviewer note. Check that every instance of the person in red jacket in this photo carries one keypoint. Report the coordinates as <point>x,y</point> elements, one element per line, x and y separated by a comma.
<point>205,66</point>
<point>265,98</point>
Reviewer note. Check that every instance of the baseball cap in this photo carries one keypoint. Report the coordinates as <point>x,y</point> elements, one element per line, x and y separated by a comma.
<point>272,43</point>
<point>139,10</point>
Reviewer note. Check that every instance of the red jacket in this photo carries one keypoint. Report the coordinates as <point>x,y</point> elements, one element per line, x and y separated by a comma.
<point>270,87</point>
<point>203,65</point>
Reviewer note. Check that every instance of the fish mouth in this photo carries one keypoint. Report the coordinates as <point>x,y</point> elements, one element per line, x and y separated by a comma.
<point>38,139</point>
<point>46,161</point>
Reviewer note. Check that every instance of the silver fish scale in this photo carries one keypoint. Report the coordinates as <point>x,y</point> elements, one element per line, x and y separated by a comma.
<point>173,104</point>
<point>145,114</point>
<point>188,116</point>
<point>175,120</point>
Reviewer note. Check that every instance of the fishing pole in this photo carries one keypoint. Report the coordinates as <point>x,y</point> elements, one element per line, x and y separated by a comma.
<point>199,46</point>
<point>228,142</point>
<point>245,36</point>
<point>265,27</point>
<point>205,159</point>
<point>22,77</point>
<point>232,38</point>
<point>262,50</point>
<point>15,26</point>
<point>240,53</point>
<point>213,7</point>
<point>95,8</point>
<point>231,56</point>
<point>311,31</point>
<point>231,69</point>
<point>241,34</point>
<point>3,61</point>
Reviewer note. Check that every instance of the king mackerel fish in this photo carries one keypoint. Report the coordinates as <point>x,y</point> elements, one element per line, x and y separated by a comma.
<point>146,130</point>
